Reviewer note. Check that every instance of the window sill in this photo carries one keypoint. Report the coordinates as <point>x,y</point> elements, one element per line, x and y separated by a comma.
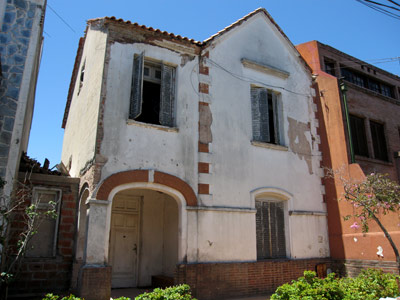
<point>373,160</point>
<point>154,126</point>
<point>269,146</point>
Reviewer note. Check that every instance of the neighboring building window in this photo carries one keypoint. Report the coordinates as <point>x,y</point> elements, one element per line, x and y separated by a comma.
<point>367,82</point>
<point>358,136</point>
<point>270,229</point>
<point>330,67</point>
<point>378,140</point>
<point>43,243</point>
<point>353,77</point>
<point>264,109</point>
<point>153,92</point>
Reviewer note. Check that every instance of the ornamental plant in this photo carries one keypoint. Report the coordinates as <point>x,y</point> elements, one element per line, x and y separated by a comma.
<point>376,195</point>
<point>371,284</point>
<point>24,211</point>
<point>179,292</point>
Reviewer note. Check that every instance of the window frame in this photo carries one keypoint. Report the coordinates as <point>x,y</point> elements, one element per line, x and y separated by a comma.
<point>167,100</point>
<point>58,196</point>
<point>265,100</point>
<point>269,226</point>
<point>379,141</point>
<point>357,139</point>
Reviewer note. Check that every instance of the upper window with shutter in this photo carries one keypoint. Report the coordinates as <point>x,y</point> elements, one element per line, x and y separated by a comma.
<point>265,117</point>
<point>153,92</point>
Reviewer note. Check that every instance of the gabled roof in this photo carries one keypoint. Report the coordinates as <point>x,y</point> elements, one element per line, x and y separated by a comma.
<point>151,29</point>
<point>173,37</point>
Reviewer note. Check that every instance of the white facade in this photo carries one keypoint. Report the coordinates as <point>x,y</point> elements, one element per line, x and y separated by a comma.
<point>222,226</point>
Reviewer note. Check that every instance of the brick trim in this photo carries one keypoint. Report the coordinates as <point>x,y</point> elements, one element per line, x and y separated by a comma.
<point>143,176</point>
<point>204,188</point>
<point>204,167</point>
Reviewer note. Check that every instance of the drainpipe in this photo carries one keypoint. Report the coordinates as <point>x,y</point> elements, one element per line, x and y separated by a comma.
<point>343,89</point>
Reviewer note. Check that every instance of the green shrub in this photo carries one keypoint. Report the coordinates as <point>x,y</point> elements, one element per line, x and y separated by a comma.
<point>369,285</point>
<point>179,292</point>
<point>310,287</point>
<point>55,297</point>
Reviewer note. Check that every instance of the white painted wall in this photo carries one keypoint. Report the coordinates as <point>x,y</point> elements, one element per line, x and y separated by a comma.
<point>223,227</point>
<point>81,128</point>
<point>129,146</point>
<point>239,167</point>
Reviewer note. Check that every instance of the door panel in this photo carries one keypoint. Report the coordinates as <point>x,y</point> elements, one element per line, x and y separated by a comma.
<point>124,241</point>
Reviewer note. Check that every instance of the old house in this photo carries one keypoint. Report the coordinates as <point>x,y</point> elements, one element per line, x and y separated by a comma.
<point>199,162</point>
<point>363,108</point>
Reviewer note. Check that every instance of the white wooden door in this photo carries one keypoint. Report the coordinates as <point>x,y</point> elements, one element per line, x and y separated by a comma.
<point>124,241</point>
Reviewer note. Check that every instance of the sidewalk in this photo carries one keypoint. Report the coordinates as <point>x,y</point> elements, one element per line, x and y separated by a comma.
<point>132,293</point>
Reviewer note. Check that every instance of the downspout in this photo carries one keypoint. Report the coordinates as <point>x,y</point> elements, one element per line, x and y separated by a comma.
<point>343,89</point>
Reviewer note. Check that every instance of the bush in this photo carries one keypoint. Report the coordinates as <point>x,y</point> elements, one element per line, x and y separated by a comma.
<point>310,287</point>
<point>179,292</point>
<point>72,297</point>
<point>55,297</point>
<point>369,285</point>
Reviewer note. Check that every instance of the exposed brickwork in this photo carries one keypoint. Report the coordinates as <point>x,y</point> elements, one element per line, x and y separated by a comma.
<point>353,267</point>
<point>121,178</point>
<point>203,148</point>
<point>229,280</point>
<point>204,167</point>
<point>143,176</point>
<point>95,283</point>
<point>51,274</point>
<point>203,88</point>
<point>177,184</point>
<point>203,69</point>
<point>204,188</point>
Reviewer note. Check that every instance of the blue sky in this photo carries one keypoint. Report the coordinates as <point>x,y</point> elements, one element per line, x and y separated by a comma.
<point>343,24</point>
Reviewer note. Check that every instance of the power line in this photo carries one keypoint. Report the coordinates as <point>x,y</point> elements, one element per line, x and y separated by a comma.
<point>381,4</point>
<point>394,2</point>
<point>381,10</point>
<point>61,18</point>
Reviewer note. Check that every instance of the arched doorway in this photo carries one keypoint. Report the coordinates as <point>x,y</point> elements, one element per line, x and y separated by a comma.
<point>144,233</point>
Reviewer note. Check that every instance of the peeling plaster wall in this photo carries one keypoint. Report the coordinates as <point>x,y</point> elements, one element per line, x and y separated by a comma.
<point>132,146</point>
<point>239,167</point>
<point>82,124</point>
<point>222,228</point>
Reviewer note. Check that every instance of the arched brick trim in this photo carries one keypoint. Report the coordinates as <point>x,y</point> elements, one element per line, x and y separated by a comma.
<point>143,176</point>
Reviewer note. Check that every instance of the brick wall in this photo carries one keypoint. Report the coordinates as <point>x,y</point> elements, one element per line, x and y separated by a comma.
<point>52,274</point>
<point>353,267</point>
<point>225,280</point>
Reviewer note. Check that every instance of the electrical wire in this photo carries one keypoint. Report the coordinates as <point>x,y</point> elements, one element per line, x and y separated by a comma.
<point>61,18</point>
<point>381,10</point>
<point>391,1</point>
<point>252,80</point>
<point>381,4</point>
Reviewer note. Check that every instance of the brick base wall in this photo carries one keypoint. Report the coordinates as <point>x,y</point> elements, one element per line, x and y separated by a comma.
<point>40,275</point>
<point>95,283</point>
<point>225,280</point>
<point>353,267</point>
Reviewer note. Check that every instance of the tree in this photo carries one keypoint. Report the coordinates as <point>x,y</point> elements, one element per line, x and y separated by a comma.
<point>373,196</point>
<point>20,219</point>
